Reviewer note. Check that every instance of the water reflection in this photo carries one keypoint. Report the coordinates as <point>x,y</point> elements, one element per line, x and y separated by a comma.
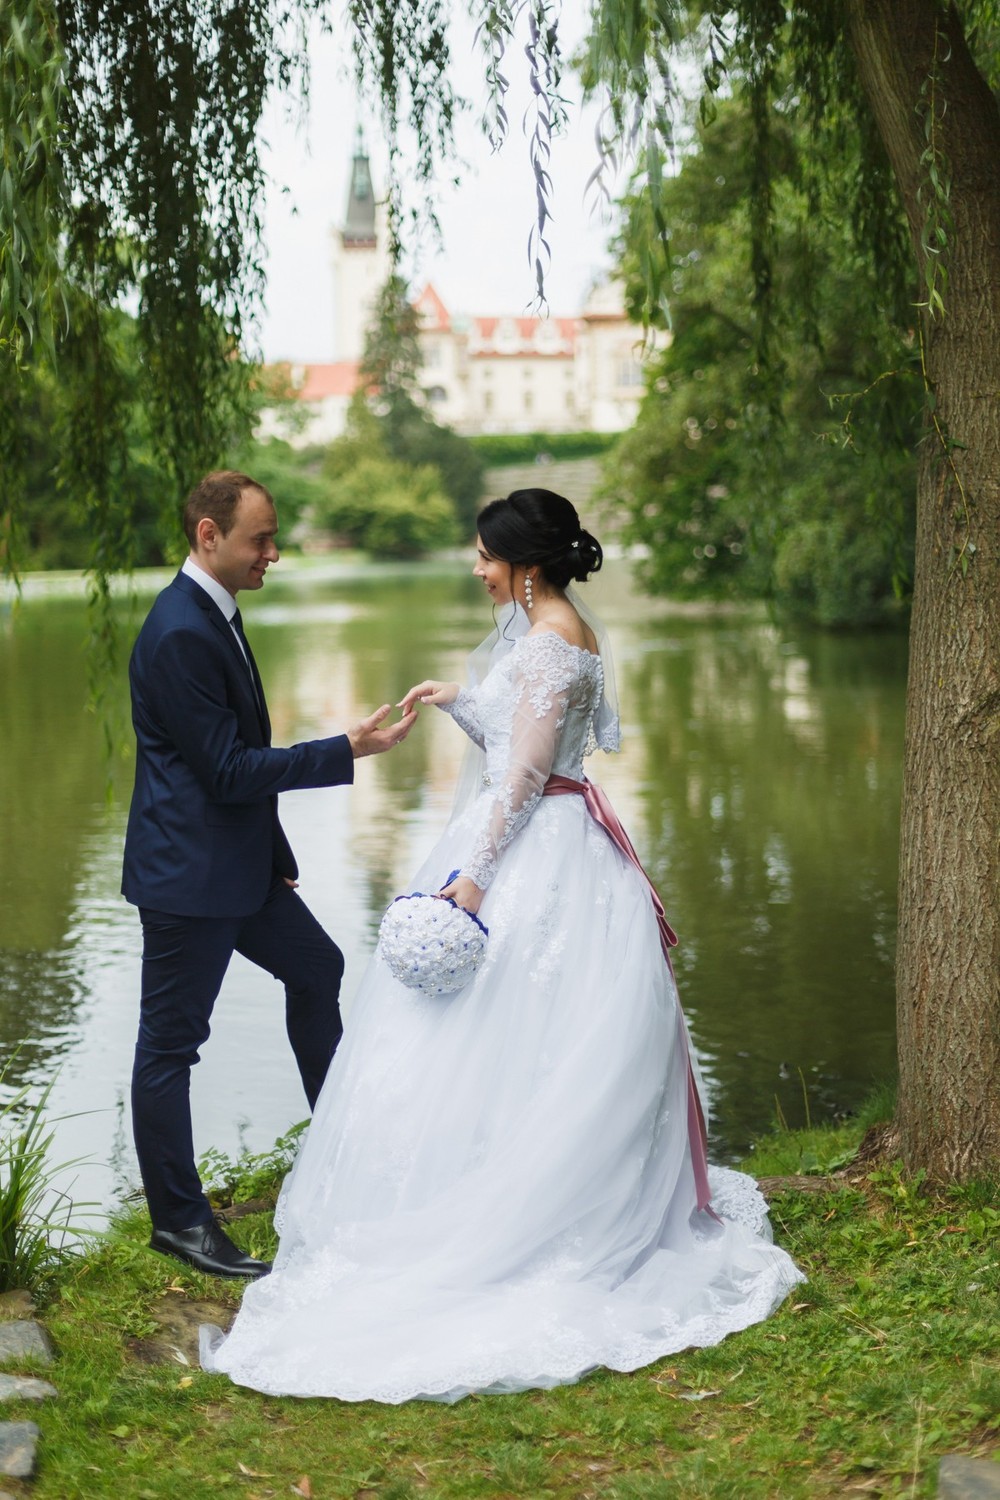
<point>771,787</point>
<point>759,777</point>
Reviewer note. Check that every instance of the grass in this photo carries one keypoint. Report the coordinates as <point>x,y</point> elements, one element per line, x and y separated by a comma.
<point>35,1221</point>
<point>886,1358</point>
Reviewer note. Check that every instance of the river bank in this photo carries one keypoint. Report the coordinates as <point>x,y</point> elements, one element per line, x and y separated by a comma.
<point>883,1362</point>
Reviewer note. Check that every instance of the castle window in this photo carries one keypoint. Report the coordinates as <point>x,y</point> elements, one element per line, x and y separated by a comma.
<point>629,372</point>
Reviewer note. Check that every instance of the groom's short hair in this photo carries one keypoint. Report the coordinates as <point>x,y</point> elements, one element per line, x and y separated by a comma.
<point>217,497</point>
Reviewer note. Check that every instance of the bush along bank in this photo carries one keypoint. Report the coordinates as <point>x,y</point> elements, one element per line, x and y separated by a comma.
<point>885,1361</point>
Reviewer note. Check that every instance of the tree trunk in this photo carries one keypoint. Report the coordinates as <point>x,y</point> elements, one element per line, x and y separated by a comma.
<point>948,962</point>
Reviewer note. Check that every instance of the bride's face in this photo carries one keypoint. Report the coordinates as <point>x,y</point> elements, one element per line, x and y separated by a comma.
<point>496,574</point>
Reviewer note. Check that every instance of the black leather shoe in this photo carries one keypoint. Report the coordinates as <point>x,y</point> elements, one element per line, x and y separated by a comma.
<point>208,1249</point>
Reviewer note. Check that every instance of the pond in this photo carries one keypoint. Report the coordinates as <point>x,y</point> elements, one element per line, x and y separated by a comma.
<point>759,779</point>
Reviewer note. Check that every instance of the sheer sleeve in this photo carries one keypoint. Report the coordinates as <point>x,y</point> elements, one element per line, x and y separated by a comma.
<point>465,711</point>
<point>543,687</point>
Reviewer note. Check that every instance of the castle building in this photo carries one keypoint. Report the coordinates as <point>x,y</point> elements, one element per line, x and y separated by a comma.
<point>480,374</point>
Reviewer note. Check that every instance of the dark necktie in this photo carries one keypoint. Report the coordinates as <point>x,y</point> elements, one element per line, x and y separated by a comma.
<point>237,623</point>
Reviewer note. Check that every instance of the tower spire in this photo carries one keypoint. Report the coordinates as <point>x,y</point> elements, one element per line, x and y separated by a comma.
<point>359,218</point>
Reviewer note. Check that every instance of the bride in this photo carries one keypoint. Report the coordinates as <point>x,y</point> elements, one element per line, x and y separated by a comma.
<point>506,1187</point>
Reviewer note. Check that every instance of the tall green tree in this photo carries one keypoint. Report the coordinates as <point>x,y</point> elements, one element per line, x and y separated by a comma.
<point>793,482</point>
<point>130,163</point>
<point>907,90</point>
<point>405,430</point>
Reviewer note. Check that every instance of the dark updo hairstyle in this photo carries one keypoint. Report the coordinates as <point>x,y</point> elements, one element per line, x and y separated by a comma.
<point>540,528</point>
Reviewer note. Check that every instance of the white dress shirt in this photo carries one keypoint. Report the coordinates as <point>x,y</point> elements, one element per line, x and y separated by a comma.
<point>215,591</point>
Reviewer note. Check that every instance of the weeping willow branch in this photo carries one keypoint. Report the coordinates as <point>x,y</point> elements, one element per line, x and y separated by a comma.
<point>402,58</point>
<point>628,64</point>
<point>30,198</point>
<point>494,33</point>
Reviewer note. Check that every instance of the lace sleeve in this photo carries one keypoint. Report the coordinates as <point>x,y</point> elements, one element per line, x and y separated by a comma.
<point>465,711</point>
<point>542,690</point>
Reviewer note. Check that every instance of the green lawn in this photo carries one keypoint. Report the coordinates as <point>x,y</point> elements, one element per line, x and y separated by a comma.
<point>887,1358</point>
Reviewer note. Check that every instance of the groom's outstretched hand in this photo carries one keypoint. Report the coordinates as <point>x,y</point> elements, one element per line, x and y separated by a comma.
<point>373,735</point>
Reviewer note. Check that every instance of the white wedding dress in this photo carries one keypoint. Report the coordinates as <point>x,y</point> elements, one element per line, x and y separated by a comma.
<point>497,1190</point>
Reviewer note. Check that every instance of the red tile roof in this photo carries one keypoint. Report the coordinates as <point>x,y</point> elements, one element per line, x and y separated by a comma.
<point>319,381</point>
<point>433,312</point>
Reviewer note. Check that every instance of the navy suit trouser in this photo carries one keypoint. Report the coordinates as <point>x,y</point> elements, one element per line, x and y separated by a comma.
<point>184,961</point>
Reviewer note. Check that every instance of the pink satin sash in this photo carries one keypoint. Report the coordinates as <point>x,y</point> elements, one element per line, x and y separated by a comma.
<point>602,812</point>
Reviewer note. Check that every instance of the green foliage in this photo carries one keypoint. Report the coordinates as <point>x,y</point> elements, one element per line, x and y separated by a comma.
<point>150,199</point>
<point>398,483</point>
<point>390,361</point>
<point>391,509</point>
<point>739,481</point>
<point>819,1149</point>
<point>411,436</point>
<point>229,1179</point>
<point>403,59</point>
<point>74,514</point>
<point>401,427</point>
<point>496,449</point>
<point>35,1221</point>
<point>294,477</point>
<point>30,190</point>
<point>31,94</point>
<point>164,178</point>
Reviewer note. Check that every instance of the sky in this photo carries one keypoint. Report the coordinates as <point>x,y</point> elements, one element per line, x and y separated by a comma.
<point>482,265</point>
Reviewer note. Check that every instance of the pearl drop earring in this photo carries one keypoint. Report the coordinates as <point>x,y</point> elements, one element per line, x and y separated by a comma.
<point>527,591</point>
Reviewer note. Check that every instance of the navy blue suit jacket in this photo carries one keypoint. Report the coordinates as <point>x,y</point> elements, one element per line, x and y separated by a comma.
<point>203,833</point>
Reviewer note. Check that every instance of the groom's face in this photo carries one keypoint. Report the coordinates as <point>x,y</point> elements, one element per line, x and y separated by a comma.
<point>240,559</point>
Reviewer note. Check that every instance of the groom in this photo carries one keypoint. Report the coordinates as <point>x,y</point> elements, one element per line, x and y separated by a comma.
<point>206,859</point>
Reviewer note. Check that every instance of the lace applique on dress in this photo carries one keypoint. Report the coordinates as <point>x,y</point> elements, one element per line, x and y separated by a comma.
<point>536,712</point>
<point>465,713</point>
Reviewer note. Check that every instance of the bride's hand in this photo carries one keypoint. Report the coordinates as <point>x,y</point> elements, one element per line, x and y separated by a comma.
<point>438,693</point>
<point>464,892</point>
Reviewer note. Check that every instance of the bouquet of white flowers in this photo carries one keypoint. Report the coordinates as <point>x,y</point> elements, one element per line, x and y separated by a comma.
<point>430,943</point>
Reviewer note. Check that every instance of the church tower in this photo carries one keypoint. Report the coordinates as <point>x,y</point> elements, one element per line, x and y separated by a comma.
<point>360,260</point>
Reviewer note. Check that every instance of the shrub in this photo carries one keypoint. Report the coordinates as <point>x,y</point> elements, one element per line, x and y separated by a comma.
<point>499,448</point>
<point>389,508</point>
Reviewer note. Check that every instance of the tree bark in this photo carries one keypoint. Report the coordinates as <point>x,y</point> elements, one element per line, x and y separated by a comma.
<point>948,961</point>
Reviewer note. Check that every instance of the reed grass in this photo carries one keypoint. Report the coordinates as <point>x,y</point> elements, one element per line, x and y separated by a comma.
<point>37,1233</point>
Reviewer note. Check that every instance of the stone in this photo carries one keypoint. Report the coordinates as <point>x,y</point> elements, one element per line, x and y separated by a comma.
<point>179,1318</point>
<point>961,1478</point>
<point>241,1210</point>
<point>771,1186</point>
<point>18,1441</point>
<point>25,1388</point>
<point>27,1340</point>
<point>16,1305</point>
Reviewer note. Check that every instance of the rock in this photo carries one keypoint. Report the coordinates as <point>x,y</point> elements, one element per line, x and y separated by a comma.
<point>25,1388</point>
<point>962,1478</point>
<point>18,1441</point>
<point>770,1186</point>
<point>14,1305</point>
<point>241,1210</point>
<point>27,1340</point>
<point>179,1318</point>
